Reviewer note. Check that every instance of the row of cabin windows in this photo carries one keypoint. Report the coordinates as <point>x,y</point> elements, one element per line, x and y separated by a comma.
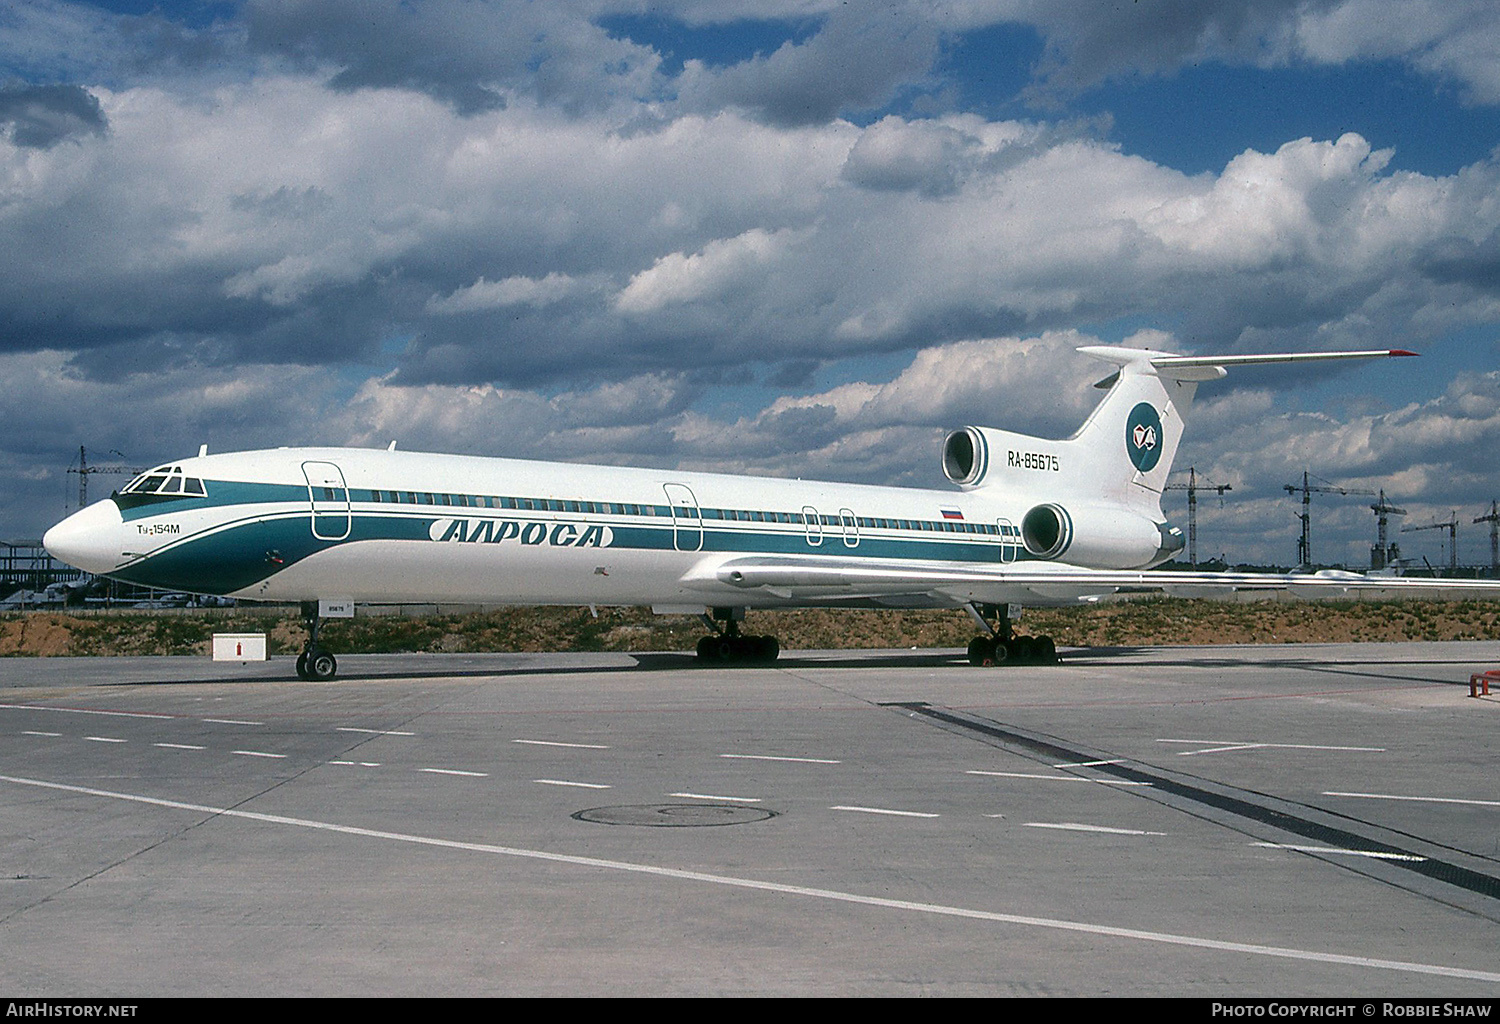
<point>171,481</point>
<point>665,511</point>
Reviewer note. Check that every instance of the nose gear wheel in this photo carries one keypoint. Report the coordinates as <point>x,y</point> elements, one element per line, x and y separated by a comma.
<point>314,663</point>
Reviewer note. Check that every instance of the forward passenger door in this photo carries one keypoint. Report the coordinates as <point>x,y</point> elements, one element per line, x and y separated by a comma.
<point>329,497</point>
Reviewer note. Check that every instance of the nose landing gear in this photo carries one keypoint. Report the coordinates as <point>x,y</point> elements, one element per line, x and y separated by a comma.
<point>314,664</point>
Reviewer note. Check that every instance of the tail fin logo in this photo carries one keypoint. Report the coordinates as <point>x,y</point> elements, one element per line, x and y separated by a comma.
<point>1143,437</point>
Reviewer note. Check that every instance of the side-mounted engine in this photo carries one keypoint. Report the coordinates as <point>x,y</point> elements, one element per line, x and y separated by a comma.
<point>1098,538</point>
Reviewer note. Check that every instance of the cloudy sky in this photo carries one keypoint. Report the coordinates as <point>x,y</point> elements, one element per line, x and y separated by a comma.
<point>795,237</point>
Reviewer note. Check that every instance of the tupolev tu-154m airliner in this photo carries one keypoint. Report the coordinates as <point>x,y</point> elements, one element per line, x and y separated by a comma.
<point>1032,521</point>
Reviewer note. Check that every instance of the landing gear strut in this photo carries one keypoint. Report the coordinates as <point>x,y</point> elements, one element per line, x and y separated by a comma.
<point>1004,647</point>
<point>728,646</point>
<point>314,664</point>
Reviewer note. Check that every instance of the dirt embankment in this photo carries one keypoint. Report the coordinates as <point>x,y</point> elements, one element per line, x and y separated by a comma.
<point>1128,623</point>
<point>37,635</point>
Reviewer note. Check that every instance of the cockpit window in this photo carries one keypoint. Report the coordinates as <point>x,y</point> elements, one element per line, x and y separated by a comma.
<point>164,480</point>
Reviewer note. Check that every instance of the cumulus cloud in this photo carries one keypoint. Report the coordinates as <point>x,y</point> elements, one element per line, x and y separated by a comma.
<point>853,62</point>
<point>389,219</point>
<point>1088,45</point>
<point>1427,457</point>
<point>49,408</point>
<point>512,291</point>
<point>723,263</point>
<point>282,208</point>
<point>469,54</point>
<point>1027,384</point>
<point>1455,41</point>
<point>934,156</point>
<point>40,116</point>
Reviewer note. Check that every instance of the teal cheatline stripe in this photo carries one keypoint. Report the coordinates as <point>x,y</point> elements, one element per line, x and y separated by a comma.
<point>221,493</point>
<point>234,492</point>
<point>644,538</point>
<point>245,553</point>
<point>226,561</point>
<point>833,544</point>
<point>132,507</point>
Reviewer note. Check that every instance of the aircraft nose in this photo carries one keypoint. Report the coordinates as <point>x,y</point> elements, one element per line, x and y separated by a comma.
<point>88,539</point>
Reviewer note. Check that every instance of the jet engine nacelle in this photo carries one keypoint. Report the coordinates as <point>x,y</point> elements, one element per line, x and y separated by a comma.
<point>966,456</point>
<point>1098,538</point>
<point>975,457</point>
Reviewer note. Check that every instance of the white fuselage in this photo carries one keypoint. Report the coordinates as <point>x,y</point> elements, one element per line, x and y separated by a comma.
<point>389,526</point>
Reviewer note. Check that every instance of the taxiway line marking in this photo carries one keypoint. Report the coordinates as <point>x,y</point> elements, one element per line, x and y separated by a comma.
<point>769,757</point>
<point>374,732</point>
<point>833,895</point>
<point>1217,745</point>
<point>82,711</point>
<point>1417,799</point>
<point>1377,854</point>
<point>883,810</point>
<point>1057,778</point>
<point>555,743</point>
<point>1073,826</point>
<point>565,782</point>
<point>707,796</point>
<point>454,771</point>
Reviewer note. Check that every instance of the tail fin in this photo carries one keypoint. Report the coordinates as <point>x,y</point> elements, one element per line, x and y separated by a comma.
<point>1122,455</point>
<point>1124,450</point>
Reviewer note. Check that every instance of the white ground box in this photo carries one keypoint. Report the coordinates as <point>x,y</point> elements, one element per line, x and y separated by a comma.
<point>239,647</point>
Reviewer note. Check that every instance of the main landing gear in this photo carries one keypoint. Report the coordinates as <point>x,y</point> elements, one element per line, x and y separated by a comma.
<point>1002,646</point>
<point>314,664</point>
<point>730,647</point>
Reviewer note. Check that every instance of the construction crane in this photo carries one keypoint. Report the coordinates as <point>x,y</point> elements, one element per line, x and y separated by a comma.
<point>84,471</point>
<point>1192,491</point>
<point>1494,520</point>
<point>1383,554</point>
<point>1452,527</point>
<point>1307,490</point>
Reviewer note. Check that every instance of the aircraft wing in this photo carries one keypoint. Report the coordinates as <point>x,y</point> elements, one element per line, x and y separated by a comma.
<point>832,577</point>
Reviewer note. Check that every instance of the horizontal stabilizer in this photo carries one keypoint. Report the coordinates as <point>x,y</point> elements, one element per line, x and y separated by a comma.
<point>1201,368</point>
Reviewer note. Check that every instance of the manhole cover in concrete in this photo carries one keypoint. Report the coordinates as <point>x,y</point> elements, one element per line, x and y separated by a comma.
<point>675,815</point>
